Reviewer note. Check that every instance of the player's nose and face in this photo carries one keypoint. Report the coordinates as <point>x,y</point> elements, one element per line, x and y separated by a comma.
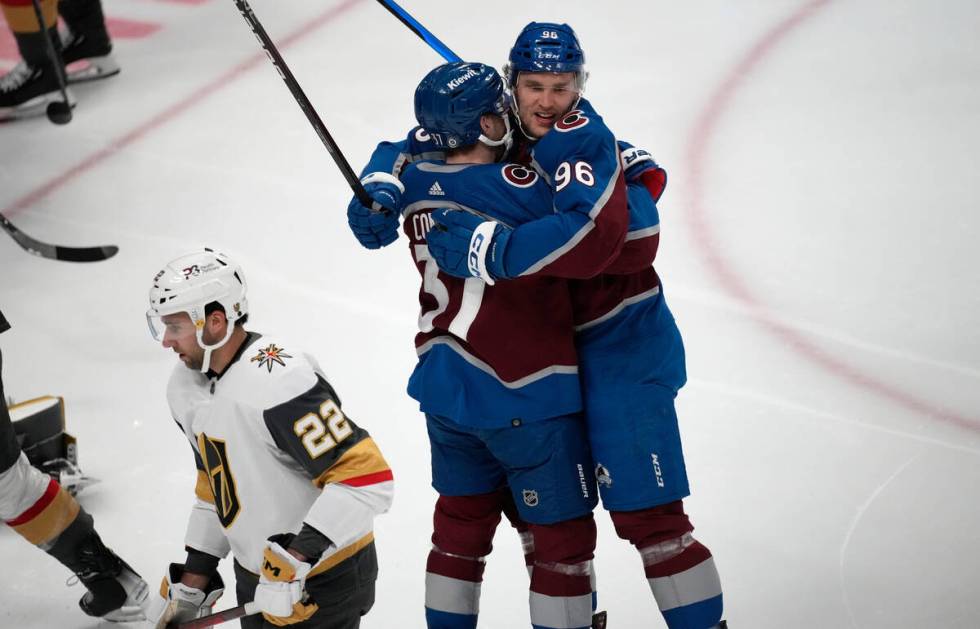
<point>543,98</point>
<point>179,335</point>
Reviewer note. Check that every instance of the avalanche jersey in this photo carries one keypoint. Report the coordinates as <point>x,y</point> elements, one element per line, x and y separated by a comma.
<point>581,165</point>
<point>622,312</point>
<point>588,225</point>
<point>488,354</point>
<point>274,449</point>
<point>580,159</point>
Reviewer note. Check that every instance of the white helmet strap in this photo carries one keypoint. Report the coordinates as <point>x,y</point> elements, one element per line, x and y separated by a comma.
<point>506,141</point>
<point>206,362</point>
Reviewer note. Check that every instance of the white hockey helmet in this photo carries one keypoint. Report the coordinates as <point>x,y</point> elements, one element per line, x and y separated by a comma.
<point>188,284</point>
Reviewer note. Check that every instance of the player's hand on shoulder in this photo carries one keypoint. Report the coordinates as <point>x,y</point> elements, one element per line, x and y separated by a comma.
<point>182,602</point>
<point>281,593</point>
<point>466,245</point>
<point>372,227</point>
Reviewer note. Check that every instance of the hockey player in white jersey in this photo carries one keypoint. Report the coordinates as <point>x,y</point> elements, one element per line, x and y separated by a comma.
<point>286,481</point>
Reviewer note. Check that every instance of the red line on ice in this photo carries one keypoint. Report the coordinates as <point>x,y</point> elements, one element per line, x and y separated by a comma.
<point>171,112</point>
<point>700,225</point>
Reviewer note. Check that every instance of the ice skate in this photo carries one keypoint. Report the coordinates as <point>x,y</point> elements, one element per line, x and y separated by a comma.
<point>25,91</point>
<point>87,58</point>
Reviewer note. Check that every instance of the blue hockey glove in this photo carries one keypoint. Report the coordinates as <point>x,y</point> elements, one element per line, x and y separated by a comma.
<point>467,245</point>
<point>375,229</point>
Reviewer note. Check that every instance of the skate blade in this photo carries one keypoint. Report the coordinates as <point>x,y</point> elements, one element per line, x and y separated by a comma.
<point>36,106</point>
<point>91,69</point>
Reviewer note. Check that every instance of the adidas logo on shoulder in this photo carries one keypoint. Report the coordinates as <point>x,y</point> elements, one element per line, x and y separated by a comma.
<point>436,190</point>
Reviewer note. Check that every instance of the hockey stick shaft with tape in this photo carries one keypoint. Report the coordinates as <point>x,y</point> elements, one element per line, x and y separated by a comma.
<point>304,103</point>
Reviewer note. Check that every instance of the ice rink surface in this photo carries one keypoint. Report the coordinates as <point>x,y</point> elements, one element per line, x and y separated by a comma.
<point>819,250</point>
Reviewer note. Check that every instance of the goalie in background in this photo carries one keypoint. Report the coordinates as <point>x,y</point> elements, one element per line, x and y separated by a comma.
<point>38,508</point>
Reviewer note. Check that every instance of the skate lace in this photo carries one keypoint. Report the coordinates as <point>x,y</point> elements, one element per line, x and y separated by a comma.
<point>97,561</point>
<point>16,77</point>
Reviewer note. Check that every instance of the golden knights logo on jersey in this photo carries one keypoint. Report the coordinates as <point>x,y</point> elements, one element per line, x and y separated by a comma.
<point>270,356</point>
<point>215,459</point>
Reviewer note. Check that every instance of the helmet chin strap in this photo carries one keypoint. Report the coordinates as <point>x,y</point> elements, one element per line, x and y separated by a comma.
<point>206,361</point>
<point>506,141</point>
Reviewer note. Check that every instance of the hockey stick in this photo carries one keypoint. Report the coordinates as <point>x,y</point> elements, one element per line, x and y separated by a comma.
<point>58,113</point>
<point>307,107</point>
<point>217,618</point>
<point>57,252</point>
<point>420,30</point>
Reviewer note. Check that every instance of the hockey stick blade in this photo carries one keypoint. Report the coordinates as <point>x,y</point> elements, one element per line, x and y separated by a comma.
<point>423,33</point>
<point>217,618</point>
<point>57,252</point>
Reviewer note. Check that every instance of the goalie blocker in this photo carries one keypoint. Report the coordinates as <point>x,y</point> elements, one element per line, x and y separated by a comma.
<point>39,425</point>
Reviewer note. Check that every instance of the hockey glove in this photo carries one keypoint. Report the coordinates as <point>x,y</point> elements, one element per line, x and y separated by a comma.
<point>281,593</point>
<point>179,603</point>
<point>372,228</point>
<point>640,166</point>
<point>466,245</point>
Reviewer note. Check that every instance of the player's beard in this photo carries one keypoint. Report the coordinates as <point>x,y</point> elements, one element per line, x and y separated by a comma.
<point>193,360</point>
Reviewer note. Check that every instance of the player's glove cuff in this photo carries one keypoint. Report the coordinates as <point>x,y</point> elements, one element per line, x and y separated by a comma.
<point>281,591</point>
<point>481,244</point>
<point>178,603</point>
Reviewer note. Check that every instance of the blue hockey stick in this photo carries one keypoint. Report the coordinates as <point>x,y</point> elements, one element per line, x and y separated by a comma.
<point>420,30</point>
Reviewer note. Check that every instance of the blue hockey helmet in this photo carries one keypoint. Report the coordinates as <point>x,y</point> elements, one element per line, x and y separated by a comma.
<point>451,98</point>
<point>546,47</point>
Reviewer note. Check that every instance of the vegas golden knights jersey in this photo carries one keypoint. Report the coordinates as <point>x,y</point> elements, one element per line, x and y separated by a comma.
<point>273,450</point>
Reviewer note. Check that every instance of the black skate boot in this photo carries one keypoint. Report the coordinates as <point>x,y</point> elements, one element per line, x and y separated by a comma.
<point>87,46</point>
<point>87,58</point>
<point>26,90</point>
<point>115,591</point>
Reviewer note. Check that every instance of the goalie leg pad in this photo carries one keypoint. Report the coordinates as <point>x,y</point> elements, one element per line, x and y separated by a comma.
<point>40,426</point>
<point>680,570</point>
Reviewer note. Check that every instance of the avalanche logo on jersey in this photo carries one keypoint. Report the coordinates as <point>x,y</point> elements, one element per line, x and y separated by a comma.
<point>519,176</point>
<point>214,455</point>
<point>270,356</point>
<point>572,120</point>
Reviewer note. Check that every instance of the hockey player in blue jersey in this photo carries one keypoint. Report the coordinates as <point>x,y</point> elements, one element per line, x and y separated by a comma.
<point>631,353</point>
<point>630,349</point>
<point>497,375</point>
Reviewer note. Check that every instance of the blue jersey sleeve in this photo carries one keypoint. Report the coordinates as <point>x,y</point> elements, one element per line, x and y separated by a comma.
<point>643,238</point>
<point>392,157</point>
<point>580,160</point>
